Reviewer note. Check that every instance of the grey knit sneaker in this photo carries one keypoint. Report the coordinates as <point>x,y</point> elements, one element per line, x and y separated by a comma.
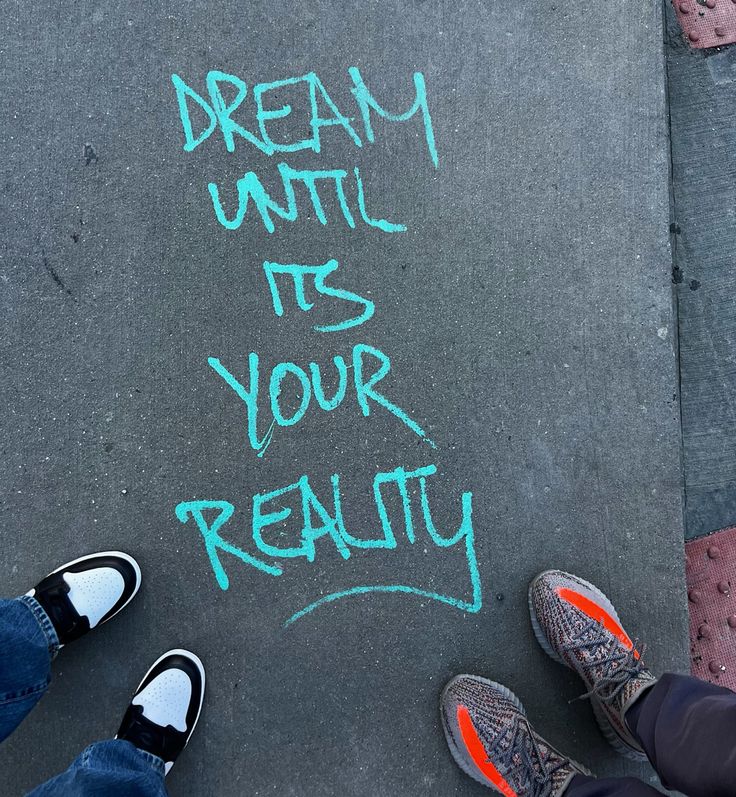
<point>491,740</point>
<point>578,626</point>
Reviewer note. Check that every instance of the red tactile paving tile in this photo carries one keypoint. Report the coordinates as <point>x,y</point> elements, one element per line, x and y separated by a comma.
<point>710,570</point>
<point>707,23</point>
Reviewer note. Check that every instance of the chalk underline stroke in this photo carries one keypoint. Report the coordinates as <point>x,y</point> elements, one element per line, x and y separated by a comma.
<point>472,607</point>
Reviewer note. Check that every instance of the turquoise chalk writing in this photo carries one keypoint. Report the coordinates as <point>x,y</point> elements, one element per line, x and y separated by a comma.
<point>310,505</point>
<point>369,364</point>
<point>318,275</point>
<point>213,541</point>
<point>219,113</point>
<point>292,523</point>
<point>367,103</point>
<point>250,188</point>
<point>330,525</point>
<point>317,94</point>
<point>216,112</point>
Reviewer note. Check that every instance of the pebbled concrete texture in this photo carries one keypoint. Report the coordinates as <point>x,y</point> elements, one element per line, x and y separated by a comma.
<point>527,312</point>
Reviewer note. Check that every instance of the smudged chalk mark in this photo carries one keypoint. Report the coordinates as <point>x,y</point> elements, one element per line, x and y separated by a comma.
<point>90,156</point>
<point>54,276</point>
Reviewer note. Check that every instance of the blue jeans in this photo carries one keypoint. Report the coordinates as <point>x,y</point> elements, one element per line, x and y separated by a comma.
<point>114,768</point>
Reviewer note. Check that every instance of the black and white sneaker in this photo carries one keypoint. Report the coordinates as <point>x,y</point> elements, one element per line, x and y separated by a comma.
<point>87,592</point>
<point>166,706</point>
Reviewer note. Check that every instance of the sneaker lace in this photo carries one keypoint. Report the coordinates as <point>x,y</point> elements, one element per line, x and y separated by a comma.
<point>523,756</point>
<point>619,666</point>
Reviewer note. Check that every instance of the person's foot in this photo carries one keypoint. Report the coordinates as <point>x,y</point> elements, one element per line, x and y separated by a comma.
<point>578,626</point>
<point>87,592</point>
<point>491,740</point>
<point>166,706</point>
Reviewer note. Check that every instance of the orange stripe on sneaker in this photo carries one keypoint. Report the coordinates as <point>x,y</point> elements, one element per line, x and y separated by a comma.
<point>478,753</point>
<point>597,613</point>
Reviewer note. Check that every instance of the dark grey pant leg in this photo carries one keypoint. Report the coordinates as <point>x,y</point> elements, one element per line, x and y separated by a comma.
<point>688,729</point>
<point>581,786</point>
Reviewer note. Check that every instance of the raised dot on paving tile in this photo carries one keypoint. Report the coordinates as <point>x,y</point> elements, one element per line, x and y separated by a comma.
<point>710,3</point>
<point>693,36</point>
<point>684,9</point>
<point>711,570</point>
<point>719,31</point>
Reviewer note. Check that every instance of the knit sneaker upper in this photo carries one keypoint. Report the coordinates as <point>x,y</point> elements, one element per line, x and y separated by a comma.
<point>492,741</point>
<point>576,624</point>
